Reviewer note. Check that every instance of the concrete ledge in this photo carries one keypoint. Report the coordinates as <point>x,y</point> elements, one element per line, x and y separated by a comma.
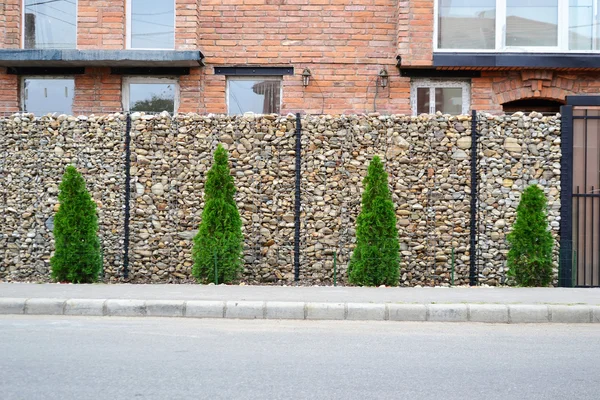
<point>125,308</point>
<point>489,313</point>
<point>365,312</point>
<point>447,312</point>
<point>245,309</point>
<point>527,314</point>
<point>45,306</point>
<point>570,314</point>
<point>92,307</point>
<point>12,306</point>
<point>329,311</point>
<point>204,309</point>
<point>285,310</point>
<point>164,308</point>
<point>407,312</point>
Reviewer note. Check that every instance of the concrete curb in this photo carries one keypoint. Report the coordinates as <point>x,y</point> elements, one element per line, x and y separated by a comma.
<point>278,310</point>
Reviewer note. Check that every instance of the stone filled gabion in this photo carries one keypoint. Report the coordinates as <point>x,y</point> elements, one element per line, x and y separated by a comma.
<point>427,159</point>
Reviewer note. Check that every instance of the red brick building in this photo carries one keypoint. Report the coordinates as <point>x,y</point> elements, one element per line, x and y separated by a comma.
<point>389,56</point>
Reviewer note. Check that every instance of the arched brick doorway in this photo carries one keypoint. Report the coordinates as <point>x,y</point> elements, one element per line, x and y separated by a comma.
<point>544,106</point>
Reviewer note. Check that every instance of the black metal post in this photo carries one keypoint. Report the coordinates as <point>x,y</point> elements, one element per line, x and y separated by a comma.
<point>565,266</point>
<point>127,196</point>
<point>297,205</point>
<point>473,227</point>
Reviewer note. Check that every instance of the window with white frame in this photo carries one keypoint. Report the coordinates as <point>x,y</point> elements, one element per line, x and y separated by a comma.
<point>150,94</point>
<point>44,95</point>
<point>517,25</point>
<point>260,95</point>
<point>50,24</point>
<point>429,96</point>
<point>151,24</point>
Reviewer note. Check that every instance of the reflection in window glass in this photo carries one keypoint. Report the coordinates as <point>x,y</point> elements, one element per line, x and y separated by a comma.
<point>152,24</point>
<point>43,96</point>
<point>152,97</point>
<point>423,101</point>
<point>50,24</point>
<point>532,22</point>
<point>583,25</point>
<point>467,24</point>
<point>448,100</point>
<point>261,96</point>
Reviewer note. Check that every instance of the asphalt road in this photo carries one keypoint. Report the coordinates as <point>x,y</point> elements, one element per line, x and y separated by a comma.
<point>126,358</point>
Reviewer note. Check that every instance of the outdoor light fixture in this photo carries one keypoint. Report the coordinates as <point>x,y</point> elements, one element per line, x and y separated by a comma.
<point>306,77</point>
<point>383,77</point>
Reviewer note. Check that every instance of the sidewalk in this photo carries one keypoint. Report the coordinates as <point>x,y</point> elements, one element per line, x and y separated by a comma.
<point>461,304</point>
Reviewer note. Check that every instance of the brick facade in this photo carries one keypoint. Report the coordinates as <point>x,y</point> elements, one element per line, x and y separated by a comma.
<point>343,43</point>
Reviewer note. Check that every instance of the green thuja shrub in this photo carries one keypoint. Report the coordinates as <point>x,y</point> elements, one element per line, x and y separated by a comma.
<point>375,260</point>
<point>219,237</point>
<point>529,259</point>
<point>77,255</point>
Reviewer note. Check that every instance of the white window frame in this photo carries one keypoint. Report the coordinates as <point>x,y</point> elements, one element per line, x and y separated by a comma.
<point>128,29</point>
<point>40,77</point>
<point>432,84</point>
<point>563,33</point>
<point>23,24</point>
<point>151,80</point>
<point>230,78</point>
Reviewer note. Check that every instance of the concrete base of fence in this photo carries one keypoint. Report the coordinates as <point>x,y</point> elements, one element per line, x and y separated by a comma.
<point>482,313</point>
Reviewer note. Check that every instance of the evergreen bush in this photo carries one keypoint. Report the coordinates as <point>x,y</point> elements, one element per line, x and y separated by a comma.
<point>77,256</point>
<point>219,239</point>
<point>376,258</point>
<point>529,259</point>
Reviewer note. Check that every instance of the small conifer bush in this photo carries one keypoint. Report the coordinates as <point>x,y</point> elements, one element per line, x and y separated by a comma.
<point>529,259</point>
<point>77,255</point>
<point>219,240</point>
<point>375,260</point>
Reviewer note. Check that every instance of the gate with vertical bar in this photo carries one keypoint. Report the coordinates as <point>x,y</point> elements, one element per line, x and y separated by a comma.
<point>580,192</point>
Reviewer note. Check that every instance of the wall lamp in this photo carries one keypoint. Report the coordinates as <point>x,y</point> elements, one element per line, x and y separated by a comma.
<point>306,77</point>
<point>383,77</point>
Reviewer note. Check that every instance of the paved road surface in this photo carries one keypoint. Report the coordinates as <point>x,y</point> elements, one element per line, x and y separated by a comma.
<point>304,294</point>
<point>68,358</point>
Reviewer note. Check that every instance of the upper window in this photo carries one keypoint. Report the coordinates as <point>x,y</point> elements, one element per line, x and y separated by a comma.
<point>261,95</point>
<point>151,24</point>
<point>50,24</point>
<point>518,25</point>
<point>429,96</point>
<point>150,94</point>
<point>40,95</point>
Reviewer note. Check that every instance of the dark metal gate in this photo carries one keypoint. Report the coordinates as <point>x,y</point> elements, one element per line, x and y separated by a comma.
<point>580,198</point>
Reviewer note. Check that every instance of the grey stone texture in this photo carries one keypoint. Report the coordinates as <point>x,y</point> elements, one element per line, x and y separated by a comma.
<point>245,309</point>
<point>125,308</point>
<point>204,309</point>
<point>87,307</point>
<point>407,312</point>
<point>328,311</point>
<point>12,306</point>
<point>164,308</point>
<point>366,312</point>
<point>430,187</point>
<point>491,313</point>
<point>523,313</point>
<point>285,310</point>
<point>44,306</point>
<point>447,312</point>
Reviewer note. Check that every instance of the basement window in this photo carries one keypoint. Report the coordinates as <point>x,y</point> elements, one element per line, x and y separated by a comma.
<point>260,95</point>
<point>428,96</point>
<point>50,24</point>
<point>151,95</point>
<point>41,96</point>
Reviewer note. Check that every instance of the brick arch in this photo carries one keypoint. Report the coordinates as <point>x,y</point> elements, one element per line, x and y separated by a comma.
<point>534,84</point>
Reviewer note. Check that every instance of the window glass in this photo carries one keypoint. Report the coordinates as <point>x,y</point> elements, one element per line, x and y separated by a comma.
<point>152,97</point>
<point>448,100</point>
<point>532,23</point>
<point>43,96</point>
<point>467,24</point>
<point>261,96</point>
<point>423,101</point>
<point>583,25</point>
<point>50,24</point>
<point>152,24</point>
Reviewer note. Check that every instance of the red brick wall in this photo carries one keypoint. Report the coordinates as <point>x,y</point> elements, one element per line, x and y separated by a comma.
<point>97,92</point>
<point>9,92</point>
<point>414,32</point>
<point>344,43</point>
<point>101,24</point>
<point>10,24</point>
